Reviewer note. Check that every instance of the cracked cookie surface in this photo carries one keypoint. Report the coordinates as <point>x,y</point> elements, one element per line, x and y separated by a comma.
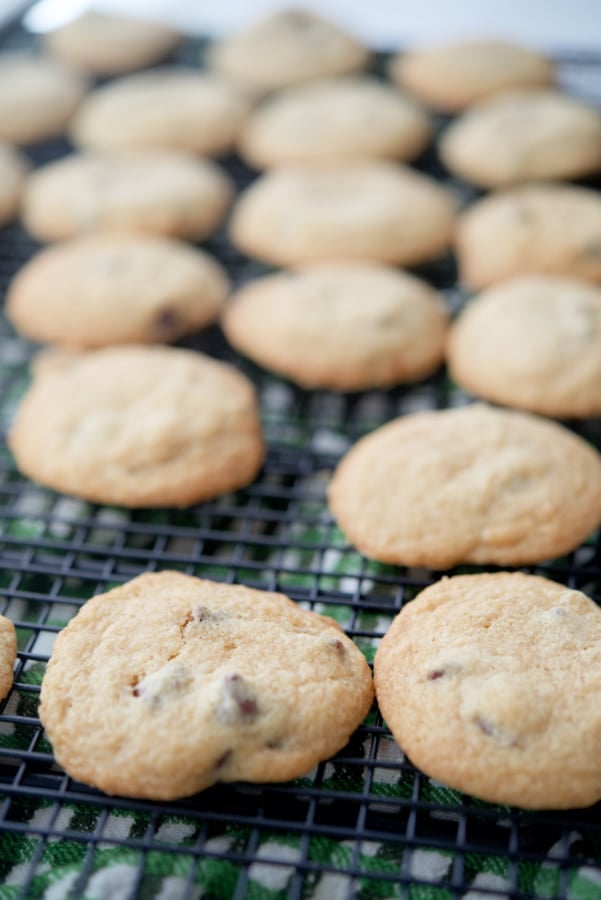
<point>168,684</point>
<point>475,484</point>
<point>490,683</point>
<point>138,426</point>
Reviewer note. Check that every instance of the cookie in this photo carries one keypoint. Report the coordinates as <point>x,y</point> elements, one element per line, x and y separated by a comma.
<point>8,655</point>
<point>523,135</point>
<point>489,684</point>
<point>105,44</point>
<point>38,96</point>
<point>13,169</point>
<point>359,211</point>
<point>287,47</point>
<point>343,326</point>
<point>335,119</point>
<point>115,289</point>
<point>156,192</point>
<point>168,107</point>
<point>468,485</point>
<point>138,426</point>
<point>533,342</point>
<point>453,76</point>
<point>546,228</point>
<point>242,685</point>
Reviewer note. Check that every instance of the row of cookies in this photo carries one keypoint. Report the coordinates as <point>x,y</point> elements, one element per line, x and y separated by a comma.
<point>467,692</point>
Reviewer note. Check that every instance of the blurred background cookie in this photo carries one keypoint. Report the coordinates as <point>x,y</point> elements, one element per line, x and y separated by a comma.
<point>366,210</point>
<point>524,135</point>
<point>468,485</point>
<point>13,172</point>
<point>156,192</point>
<point>532,342</point>
<point>345,118</point>
<point>38,96</point>
<point>451,77</point>
<point>552,228</point>
<point>114,289</point>
<point>286,47</point>
<point>104,44</point>
<point>167,107</point>
<point>138,426</point>
<point>348,326</point>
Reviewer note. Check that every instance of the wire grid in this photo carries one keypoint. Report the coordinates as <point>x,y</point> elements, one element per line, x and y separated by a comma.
<point>364,824</point>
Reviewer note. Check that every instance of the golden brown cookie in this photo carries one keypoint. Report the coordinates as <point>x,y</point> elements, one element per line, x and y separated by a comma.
<point>335,119</point>
<point>533,342</point>
<point>451,77</point>
<point>13,171</point>
<point>106,44</point>
<point>546,228</point>
<point>116,289</point>
<point>169,107</point>
<point>138,426</point>
<point>346,326</point>
<point>153,192</point>
<point>489,684</point>
<point>287,47</point>
<point>8,655</point>
<point>38,96</point>
<point>524,136</point>
<point>240,685</point>
<point>369,210</point>
<point>474,484</point>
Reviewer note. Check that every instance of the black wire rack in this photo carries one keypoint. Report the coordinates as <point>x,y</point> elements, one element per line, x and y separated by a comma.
<point>364,824</point>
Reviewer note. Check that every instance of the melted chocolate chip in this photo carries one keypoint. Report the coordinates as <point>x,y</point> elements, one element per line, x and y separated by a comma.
<point>237,703</point>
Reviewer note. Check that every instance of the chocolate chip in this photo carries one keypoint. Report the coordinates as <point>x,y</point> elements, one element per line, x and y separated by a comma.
<point>237,703</point>
<point>436,674</point>
<point>338,646</point>
<point>484,726</point>
<point>223,759</point>
<point>166,322</point>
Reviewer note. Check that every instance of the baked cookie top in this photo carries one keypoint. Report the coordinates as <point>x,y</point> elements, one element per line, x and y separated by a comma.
<point>524,135</point>
<point>371,210</point>
<point>335,119</point>
<point>13,171</point>
<point>138,426</point>
<point>38,96</point>
<point>8,655</point>
<point>346,326</point>
<point>489,684</point>
<point>182,682</point>
<point>106,44</point>
<point>451,77</point>
<point>532,342</point>
<point>116,288</point>
<point>153,191</point>
<point>474,484</point>
<point>170,107</point>
<point>546,228</point>
<point>285,48</point>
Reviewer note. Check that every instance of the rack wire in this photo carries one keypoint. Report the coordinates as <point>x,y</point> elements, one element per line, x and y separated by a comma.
<point>364,824</point>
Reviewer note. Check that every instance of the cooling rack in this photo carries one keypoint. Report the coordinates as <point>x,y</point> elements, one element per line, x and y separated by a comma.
<point>365,824</point>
